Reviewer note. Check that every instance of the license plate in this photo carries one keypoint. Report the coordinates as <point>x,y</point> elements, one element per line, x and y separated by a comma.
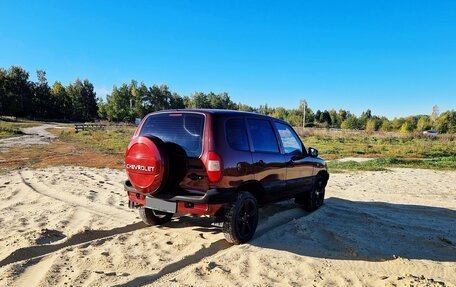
<point>161,205</point>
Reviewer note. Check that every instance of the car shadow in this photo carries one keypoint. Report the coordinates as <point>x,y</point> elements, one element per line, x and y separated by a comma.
<point>371,231</point>
<point>350,230</point>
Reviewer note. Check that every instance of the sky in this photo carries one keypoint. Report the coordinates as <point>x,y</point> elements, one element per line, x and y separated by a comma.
<point>396,58</point>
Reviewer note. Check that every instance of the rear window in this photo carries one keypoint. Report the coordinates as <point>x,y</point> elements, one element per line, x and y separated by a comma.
<point>183,129</point>
<point>237,135</point>
<point>263,137</point>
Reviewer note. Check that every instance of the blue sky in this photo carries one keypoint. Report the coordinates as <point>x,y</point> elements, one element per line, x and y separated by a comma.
<point>395,57</point>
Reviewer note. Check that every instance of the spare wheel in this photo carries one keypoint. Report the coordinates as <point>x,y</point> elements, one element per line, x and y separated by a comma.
<point>147,164</point>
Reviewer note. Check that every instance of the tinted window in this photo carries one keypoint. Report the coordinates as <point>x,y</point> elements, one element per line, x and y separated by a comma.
<point>290,141</point>
<point>263,137</point>
<point>236,134</point>
<point>183,129</point>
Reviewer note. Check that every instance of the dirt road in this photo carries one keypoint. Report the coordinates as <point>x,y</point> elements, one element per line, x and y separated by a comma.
<point>65,226</point>
<point>33,135</point>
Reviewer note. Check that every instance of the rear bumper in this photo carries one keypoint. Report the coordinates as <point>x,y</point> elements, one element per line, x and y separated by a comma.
<point>187,200</point>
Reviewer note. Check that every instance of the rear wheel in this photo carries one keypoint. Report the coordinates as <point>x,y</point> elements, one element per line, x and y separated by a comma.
<point>241,219</point>
<point>312,200</point>
<point>154,217</point>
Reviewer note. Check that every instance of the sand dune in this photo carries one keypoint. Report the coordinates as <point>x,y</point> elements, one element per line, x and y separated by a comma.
<point>71,226</point>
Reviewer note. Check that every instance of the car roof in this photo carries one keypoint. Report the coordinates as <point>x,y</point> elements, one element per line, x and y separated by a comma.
<point>222,112</point>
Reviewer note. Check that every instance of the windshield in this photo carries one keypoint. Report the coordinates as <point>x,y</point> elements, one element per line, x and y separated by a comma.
<point>184,129</point>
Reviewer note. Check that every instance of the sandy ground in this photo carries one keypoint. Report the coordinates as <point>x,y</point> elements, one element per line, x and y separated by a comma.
<point>70,226</point>
<point>32,136</point>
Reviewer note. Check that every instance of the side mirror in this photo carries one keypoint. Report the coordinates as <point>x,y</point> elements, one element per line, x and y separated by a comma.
<point>313,152</point>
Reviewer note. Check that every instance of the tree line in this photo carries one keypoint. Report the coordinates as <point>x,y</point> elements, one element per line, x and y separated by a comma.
<point>21,97</point>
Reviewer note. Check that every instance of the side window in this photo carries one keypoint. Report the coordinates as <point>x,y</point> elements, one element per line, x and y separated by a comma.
<point>290,141</point>
<point>236,134</point>
<point>263,137</point>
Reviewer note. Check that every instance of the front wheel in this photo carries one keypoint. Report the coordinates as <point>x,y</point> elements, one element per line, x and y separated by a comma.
<point>154,217</point>
<point>312,200</point>
<point>241,219</point>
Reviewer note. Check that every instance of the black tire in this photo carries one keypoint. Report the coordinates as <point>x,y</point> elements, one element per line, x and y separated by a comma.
<point>241,219</point>
<point>154,217</point>
<point>313,199</point>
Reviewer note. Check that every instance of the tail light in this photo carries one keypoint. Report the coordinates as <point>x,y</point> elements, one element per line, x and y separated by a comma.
<point>214,166</point>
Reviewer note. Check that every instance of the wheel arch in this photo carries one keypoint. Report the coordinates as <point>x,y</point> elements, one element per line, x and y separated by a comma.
<point>254,187</point>
<point>324,174</point>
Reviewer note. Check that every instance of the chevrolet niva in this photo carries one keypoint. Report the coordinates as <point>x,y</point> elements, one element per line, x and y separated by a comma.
<point>219,163</point>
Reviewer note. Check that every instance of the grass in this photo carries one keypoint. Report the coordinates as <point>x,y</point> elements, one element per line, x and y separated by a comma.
<point>381,164</point>
<point>98,149</point>
<point>12,128</point>
<point>106,149</point>
<point>388,150</point>
<point>109,141</point>
<point>340,144</point>
<point>91,149</point>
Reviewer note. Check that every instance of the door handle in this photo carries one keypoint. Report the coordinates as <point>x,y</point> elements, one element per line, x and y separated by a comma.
<point>290,163</point>
<point>261,163</point>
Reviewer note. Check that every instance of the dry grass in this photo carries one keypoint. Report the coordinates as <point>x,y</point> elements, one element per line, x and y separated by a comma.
<point>106,149</point>
<point>12,128</point>
<point>339,144</point>
<point>62,151</point>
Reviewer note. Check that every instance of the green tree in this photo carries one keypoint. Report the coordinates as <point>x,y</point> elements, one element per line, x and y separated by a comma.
<point>386,125</point>
<point>18,92</point>
<point>187,102</point>
<point>199,100</point>
<point>351,123</point>
<point>334,119</point>
<point>61,101</point>
<point>373,124</point>
<point>41,99</point>
<point>245,108</point>
<point>118,104</point>
<point>365,116</point>
<point>325,118</point>
<point>83,100</point>
<point>446,122</point>
<point>397,123</point>
<point>406,127</point>
<point>317,116</point>
<point>176,102</point>
<point>280,113</point>
<point>424,123</point>
<point>310,116</point>
<point>102,109</point>
<point>3,98</point>
<point>342,115</point>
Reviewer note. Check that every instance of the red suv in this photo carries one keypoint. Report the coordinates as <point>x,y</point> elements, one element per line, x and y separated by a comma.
<point>220,163</point>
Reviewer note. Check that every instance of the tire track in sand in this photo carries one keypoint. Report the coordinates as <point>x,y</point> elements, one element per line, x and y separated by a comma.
<point>37,251</point>
<point>76,202</point>
<point>269,221</point>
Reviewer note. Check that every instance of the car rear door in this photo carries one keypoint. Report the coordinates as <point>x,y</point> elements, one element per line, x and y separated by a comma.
<point>268,162</point>
<point>300,165</point>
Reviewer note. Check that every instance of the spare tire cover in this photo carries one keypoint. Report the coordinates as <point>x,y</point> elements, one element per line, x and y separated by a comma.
<point>146,163</point>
